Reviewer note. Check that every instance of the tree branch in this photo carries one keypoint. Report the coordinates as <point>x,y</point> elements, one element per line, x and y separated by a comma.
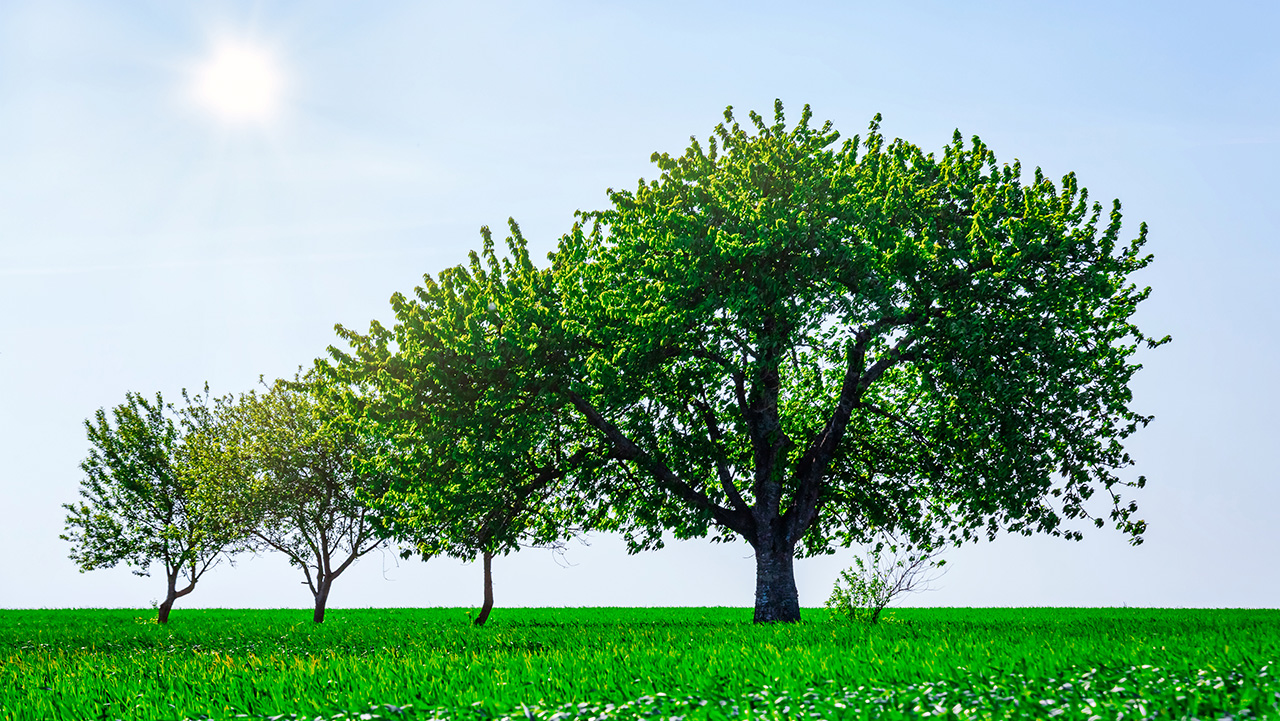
<point>904,423</point>
<point>726,479</point>
<point>676,351</point>
<point>625,449</point>
<point>898,354</point>
<point>543,477</point>
<point>857,378</point>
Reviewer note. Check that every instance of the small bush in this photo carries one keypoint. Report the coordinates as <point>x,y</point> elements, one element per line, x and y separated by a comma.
<point>863,590</point>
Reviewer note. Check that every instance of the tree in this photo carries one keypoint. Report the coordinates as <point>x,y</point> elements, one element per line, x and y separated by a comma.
<point>805,343</point>
<point>141,501</point>
<point>482,462</point>
<point>290,472</point>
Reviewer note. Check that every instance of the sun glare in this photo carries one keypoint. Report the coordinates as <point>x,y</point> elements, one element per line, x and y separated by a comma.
<point>239,83</point>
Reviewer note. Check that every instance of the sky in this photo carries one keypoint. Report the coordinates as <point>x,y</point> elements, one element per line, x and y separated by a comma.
<point>196,192</point>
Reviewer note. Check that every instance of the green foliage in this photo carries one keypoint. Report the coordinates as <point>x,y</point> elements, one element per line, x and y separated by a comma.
<point>858,595</point>
<point>803,340</point>
<point>994,663</point>
<point>142,501</point>
<point>862,592</point>
<point>789,338</point>
<point>288,468</point>
<point>482,458</point>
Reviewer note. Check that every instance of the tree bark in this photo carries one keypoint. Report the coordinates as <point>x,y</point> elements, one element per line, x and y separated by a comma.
<point>163,615</point>
<point>322,597</point>
<point>776,596</point>
<point>488,590</point>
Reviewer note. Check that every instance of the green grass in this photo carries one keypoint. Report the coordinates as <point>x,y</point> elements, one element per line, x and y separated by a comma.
<point>695,663</point>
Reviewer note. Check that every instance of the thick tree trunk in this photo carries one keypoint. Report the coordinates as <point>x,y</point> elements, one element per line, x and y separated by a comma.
<point>171,595</point>
<point>488,590</point>
<point>776,595</point>
<point>165,608</point>
<point>322,597</point>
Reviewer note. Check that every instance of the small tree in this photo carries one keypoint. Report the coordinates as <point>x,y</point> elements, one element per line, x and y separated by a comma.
<point>141,501</point>
<point>482,461</point>
<point>863,591</point>
<point>290,474</point>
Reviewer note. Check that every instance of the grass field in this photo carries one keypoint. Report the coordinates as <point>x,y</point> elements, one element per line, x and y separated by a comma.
<point>692,663</point>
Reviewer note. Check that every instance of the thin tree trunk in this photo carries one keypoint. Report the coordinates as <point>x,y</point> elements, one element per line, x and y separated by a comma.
<point>776,596</point>
<point>488,590</point>
<point>322,597</point>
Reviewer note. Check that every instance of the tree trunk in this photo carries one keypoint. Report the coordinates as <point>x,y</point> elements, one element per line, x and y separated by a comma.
<point>488,590</point>
<point>171,595</point>
<point>163,615</point>
<point>322,597</point>
<point>776,595</point>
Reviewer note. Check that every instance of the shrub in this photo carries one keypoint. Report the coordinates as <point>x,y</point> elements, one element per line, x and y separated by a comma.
<point>863,590</point>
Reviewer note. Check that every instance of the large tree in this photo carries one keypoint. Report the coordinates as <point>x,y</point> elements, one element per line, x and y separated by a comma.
<point>141,499</point>
<point>482,460</point>
<point>803,342</point>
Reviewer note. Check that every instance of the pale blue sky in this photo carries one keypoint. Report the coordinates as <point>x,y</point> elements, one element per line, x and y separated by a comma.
<point>147,245</point>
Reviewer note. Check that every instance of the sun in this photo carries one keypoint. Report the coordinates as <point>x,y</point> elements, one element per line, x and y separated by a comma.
<point>240,83</point>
